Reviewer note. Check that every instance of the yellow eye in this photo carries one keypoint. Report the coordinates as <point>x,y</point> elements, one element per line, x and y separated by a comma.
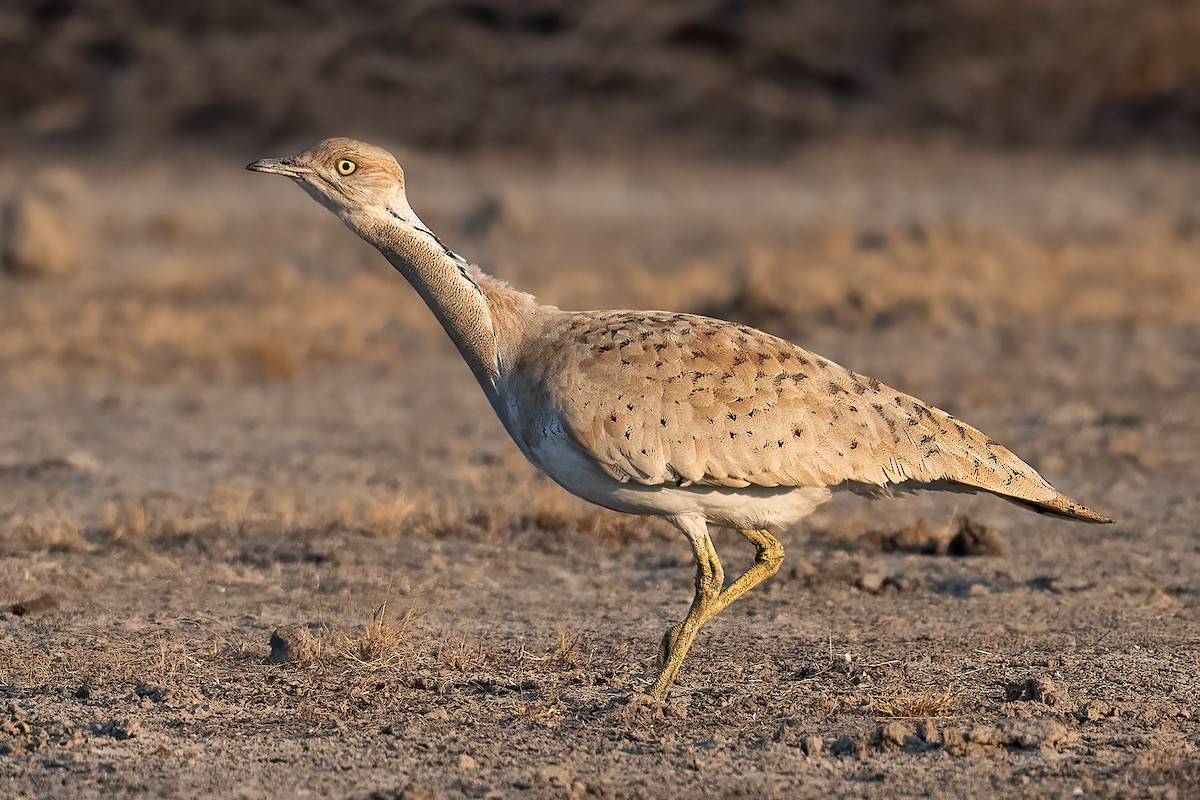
<point>345,166</point>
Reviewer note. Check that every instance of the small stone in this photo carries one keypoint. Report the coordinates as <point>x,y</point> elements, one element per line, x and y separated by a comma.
<point>466,762</point>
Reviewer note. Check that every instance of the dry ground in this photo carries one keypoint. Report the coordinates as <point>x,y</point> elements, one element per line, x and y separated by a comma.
<point>235,419</point>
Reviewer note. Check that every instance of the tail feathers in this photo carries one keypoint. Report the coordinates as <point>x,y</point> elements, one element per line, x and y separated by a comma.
<point>1051,503</point>
<point>1059,506</point>
<point>977,461</point>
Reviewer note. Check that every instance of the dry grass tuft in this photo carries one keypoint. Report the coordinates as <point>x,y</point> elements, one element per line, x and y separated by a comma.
<point>384,643</point>
<point>44,529</point>
<point>127,522</point>
<point>375,515</point>
<point>924,704</point>
<point>569,654</point>
<point>171,661</point>
<point>547,711</point>
<point>463,656</point>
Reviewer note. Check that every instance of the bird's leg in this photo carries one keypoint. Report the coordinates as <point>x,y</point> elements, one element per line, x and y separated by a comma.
<point>767,559</point>
<point>766,563</point>
<point>710,577</point>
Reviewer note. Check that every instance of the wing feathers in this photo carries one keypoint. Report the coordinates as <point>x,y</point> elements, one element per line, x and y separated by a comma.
<point>710,402</point>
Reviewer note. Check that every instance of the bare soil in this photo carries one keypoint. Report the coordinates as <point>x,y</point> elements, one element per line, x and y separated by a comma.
<point>261,536</point>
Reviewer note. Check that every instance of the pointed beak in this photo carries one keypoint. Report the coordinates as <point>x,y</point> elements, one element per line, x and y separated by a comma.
<point>279,166</point>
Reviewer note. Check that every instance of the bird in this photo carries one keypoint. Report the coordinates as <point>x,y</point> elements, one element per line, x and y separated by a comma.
<point>699,421</point>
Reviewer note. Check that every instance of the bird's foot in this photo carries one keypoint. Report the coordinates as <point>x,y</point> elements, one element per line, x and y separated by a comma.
<point>646,699</point>
<point>646,705</point>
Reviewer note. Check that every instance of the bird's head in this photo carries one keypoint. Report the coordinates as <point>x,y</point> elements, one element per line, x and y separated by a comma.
<point>357,181</point>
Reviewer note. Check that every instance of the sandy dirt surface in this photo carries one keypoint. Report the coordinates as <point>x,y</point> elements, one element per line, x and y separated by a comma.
<point>261,536</point>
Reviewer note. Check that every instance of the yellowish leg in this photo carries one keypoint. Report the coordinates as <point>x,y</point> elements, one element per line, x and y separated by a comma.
<point>710,577</point>
<point>767,558</point>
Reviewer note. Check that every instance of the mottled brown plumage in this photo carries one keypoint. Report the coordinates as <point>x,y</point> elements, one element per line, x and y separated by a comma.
<point>709,402</point>
<point>697,420</point>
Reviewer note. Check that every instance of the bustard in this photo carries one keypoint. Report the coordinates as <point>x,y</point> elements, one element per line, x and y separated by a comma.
<point>696,420</point>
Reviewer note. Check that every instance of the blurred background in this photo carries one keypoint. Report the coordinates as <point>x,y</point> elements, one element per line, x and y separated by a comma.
<point>728,77</point>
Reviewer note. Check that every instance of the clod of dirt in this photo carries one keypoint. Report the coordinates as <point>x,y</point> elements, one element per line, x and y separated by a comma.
<point>905,583</point>
<point>38,606</point>
<point>18,730</point>
<point>854,746</point>
<point>918,537</point>
<point>293,644</point>
<point>1027,734</point>
<point>1024,734</point>
<point>554,775</point>
<point>1094,710</point>
<point>1157,598</point>
<point>37,234</point>
<point>641,708</point>
<point>969,538</point>
<point>872,582</point>
<point>896,733</point>
<point>171,697</point>
<point>1038,690</point>
<point>973,539</point>
<point>871,241</point>
<point>801,571</point>
<point>953,741</point>
<point>927,732</point>
<point>120,729</point>
<point>414,791</point>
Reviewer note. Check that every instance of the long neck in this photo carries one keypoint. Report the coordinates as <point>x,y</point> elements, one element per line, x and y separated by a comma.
<point>451,288</point>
